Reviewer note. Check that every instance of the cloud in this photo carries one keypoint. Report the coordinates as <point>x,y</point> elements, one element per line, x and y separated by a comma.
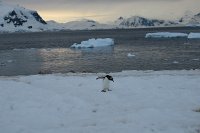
<point>105,10</point>
<point>77,2</point>
<point>81,4</point>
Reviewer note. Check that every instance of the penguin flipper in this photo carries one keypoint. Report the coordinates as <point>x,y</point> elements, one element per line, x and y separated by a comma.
<point>100,77</point>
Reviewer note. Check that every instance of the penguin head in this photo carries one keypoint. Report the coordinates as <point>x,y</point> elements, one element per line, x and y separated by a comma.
<point>109,77</point>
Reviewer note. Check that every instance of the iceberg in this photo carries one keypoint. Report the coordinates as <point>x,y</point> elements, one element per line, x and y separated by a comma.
<point>165,35</point>
<point>92,43</point>
<point>194,35</point>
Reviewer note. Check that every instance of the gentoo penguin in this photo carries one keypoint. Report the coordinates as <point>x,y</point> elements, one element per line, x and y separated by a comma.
<point>106,82</point>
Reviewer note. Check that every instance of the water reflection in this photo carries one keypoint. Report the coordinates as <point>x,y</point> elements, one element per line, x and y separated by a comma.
<point>73,60</point>
<point>58,60</point>
<point>99,50</point>
<point>105,59</point>
<point>20,61</point>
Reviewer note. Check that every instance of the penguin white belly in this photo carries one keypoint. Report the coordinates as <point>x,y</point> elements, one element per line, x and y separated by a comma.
<point>106,84</point>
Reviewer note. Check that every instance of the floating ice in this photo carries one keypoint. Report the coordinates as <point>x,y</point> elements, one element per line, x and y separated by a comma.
<point>175,62</point>
<point>130,55</point>
<point>195,59</point>
<point>165,35</point>
<point>194,35</point>
<point>9,61</point>
<point>91,43</point>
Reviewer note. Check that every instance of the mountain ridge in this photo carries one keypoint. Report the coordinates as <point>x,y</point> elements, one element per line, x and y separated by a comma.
<point>14,18</point>
<point>138,21</point>
<point>17,18</point>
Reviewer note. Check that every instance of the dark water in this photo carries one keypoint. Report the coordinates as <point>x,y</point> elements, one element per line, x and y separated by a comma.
<point>49,52</point>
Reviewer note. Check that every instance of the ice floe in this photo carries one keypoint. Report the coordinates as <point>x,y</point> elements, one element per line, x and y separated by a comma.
<point>130,55</point>
<point>92,43</point>
<point>194,35</point>
<point>165,35</point>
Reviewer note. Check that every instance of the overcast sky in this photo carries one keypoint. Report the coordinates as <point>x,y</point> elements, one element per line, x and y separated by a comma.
<point>108,10</point>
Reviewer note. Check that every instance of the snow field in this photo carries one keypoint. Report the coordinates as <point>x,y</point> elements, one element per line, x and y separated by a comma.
<point>141,101</point>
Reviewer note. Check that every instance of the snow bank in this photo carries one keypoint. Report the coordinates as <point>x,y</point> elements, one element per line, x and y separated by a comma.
<point>194,35</point>
<point>165,35</point>
<point>91,43</point>
<point>141,102</point>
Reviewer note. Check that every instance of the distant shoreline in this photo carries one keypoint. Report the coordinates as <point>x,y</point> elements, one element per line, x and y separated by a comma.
<point>118,29</point>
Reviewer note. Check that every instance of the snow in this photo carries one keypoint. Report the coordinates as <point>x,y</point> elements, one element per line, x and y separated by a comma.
<point>194,35</point>
<point>140,101</point>
<point>165,35</point>
<point>92,43</point>
<point>86,24</point>
<point>142,22</point>
<point>55,26</point>
<point>131,22</point>
<point>187,17</point>
<point>172,35</point>
<point>194,21</point>
<point>193,25</point>
<point>23,14</point>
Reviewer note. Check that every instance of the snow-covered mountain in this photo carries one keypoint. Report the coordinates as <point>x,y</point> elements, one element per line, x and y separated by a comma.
<point>137,21</point>
<point>86,24</point>
<point>16,18</point>
<point>121,22</point>
<point>53,25</point>
<point>195,19</point>
<point>83,24</point>
<point>186,17</point>
<point>190,20</point>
